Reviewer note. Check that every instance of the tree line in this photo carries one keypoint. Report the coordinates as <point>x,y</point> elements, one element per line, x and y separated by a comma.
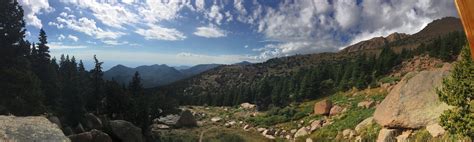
<point>33,83</point>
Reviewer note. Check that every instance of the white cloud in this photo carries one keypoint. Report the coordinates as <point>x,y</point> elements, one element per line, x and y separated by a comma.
<point>59,26</point>
<point>74,38</point>
<point>160,33</point>
<point>88,27</point>
<point>61,37</point>
<point>210,31</point>
<point>114,42</point>
<point>246,46</point>
<point>60,46</point>
<point>32,8</point>
<point>154,11</point>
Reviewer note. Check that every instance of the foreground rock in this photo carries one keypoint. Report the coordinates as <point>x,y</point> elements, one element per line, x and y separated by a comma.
<point>126,131</point>
<point>435,130</point>
<point>388,135</point>
<point>412,103</point>
<point>323,107</point>
<point>92,136</point>
<point>28,129</point>
<point>91,122</point>
<point>367,122</point>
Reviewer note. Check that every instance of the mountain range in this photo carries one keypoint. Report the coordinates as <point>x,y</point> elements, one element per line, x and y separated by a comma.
<point>155,75</point>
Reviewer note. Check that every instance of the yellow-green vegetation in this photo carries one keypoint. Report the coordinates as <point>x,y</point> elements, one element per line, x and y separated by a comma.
<point>389,79</point>
<point>209,134</point>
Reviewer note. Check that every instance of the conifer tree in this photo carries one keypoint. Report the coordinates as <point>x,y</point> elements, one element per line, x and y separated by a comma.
<point>458,91</point>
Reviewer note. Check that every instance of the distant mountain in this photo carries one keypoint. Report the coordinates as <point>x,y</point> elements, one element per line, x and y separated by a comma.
<point>182,67</point>
<point>243,63</point>
<point>155,75</point>
<point>198,69</point>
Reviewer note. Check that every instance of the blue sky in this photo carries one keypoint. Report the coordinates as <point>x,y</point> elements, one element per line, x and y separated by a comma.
<point>190,32</point>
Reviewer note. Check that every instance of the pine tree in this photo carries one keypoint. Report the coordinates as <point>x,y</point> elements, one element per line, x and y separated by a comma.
<point>94,99</point>
<point>458,91</point>
<point>135,85</point>
<point>20,88</point>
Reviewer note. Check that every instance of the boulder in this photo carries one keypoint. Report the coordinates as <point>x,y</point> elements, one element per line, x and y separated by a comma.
<point>68,131</point>
<point>248,106</point>
<point>366,122</point>
<point>260,130</point>
<point>31,128</point>
<point>55,120</point>
<point>388,135</point>
<point>301,132</point>
<point>247,127</point>
<point>159,126</point>
<point>309,140</point>
<point>335,110</point>
<point>216,119</point>
<point>126,131</point>
<point>435,130</point>
<point>91,121</point>
<point>323,107</point>
<point>92,136</point>
<point>413,102</point>
<point>366,104</point>
<point>186,119</point>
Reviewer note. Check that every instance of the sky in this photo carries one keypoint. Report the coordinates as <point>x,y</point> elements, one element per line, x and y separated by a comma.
<point>190,32</point>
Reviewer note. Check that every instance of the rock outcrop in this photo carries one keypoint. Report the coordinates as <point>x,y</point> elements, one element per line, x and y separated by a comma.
<point>126,131</point>
<point>413,102</point>
<point>91,122</point>
<point>323,107</point>
<point>27,129</point>
<point>186,119</point>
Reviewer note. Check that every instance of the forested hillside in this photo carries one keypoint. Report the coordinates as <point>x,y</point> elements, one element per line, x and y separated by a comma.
<point>280,81</point>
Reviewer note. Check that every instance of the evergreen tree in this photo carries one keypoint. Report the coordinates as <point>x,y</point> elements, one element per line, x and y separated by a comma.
<point>94,99</point>
<point>458,91</point>
<point>20,88</point>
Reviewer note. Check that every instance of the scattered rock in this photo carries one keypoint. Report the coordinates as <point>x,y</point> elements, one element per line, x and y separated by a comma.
<point>230,123</point>
<point>435,130</point>
<point>358,139</point>
<point>363,124</point>
<point>288,137</point>
<point>301,132</point>
<point>323,107</point>
<point>327,122</point>
<point>270,137</point>
<point>260,130</point>
<point>348,133</point>
<point>159,126</point>
<point>248,106</point>
<point>247,127</point>
<point>216,119</point>
<point>32,128</point>
<point>309,140</point>
<point>335,110</point>
<point>316,125</point>
<point>92,136</point>
<point>186,119</point>
<point>366,104</point>
<point>413,102</point>
<point>404,136</point>
<point>388,135</point>
<point>126,131</point>
<point>91,121</point>
<point>269,132</point>
<point>292,131</point>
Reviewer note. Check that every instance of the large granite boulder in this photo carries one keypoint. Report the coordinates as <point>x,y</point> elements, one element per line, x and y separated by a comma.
<point>323,107</point>
<point>126,131</point>
<point>28,129</point>
<point>413,102</point>
<point>92,136</point>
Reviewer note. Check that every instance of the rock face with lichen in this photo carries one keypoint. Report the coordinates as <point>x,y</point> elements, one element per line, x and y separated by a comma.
<point>413,102</point>
<point>27,129</point>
